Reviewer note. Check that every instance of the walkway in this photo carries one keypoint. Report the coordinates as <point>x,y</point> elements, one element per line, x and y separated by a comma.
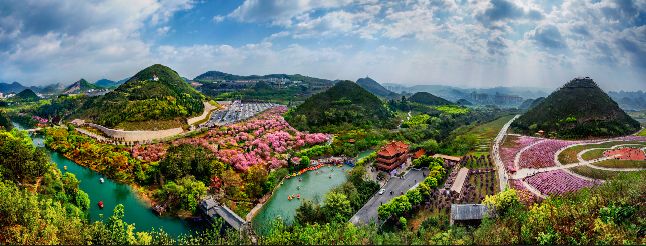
<point>397,186</point>
<point>459,180</point>
<point>502,173</point>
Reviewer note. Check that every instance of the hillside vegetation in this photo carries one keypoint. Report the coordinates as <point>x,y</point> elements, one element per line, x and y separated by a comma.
<point>374,87</point>
<point>155,93</point>
<point>428,99</point>
<point>579,109</point>
<point>344,104</point>
<point>27,95</point>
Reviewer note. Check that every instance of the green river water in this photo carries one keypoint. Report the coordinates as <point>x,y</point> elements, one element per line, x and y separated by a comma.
<point>113,193</point>
<point>313,187</point>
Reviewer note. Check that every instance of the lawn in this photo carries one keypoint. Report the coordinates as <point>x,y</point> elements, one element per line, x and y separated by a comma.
<point>642,133</point>
<point>594,173</point>
<point>621,164</point>
<point>593,154</point>
<point>486,132</point>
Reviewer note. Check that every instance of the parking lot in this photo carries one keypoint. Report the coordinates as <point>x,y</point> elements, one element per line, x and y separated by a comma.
<point>237,111</point>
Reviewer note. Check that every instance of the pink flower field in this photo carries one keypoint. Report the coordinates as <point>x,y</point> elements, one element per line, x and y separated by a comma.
<point>542,154</point>
<point>507,154</point>
<point>558,182</point>
<point>262,140</point>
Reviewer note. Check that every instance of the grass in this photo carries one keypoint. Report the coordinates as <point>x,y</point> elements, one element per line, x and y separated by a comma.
<point>510,141</point>
<point>485,132</point>
<point>568,156</point>
<point>594,173</point>
<point>642,133</point>
<point>612,163</point>
<point>593,154</point>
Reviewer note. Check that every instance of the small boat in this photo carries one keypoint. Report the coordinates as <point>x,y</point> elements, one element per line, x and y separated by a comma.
<point>100,204</point>
<point>65,167</point>
<point>289,198</point>
<point>298,196</point>
<point>101,180</point>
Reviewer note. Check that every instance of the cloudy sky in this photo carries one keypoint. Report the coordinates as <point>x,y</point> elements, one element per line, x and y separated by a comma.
<point>474,43</point>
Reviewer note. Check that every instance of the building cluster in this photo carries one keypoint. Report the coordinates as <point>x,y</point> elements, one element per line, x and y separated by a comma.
<point>392,155</point>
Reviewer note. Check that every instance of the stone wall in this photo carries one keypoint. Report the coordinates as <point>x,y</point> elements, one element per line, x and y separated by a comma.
<point>134,136</point>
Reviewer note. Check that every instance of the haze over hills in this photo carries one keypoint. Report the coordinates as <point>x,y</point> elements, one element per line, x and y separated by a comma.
<point>14,87</point>
<point>155,93</point>
<point>346,103</point>
<point>375,88</point>
<point>579,109</point>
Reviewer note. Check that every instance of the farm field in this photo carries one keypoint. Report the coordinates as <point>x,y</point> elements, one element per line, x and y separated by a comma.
<point>594,173</point>
<point>612,163</point>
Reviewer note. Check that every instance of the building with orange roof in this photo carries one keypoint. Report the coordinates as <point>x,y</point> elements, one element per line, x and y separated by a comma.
<point>392,155</point>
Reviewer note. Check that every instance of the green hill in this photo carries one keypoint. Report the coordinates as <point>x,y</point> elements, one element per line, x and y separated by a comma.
<point>80,86</point>
<point>428,99</point>
<point>345,104</point>
<point>579,109</point>
<point>27,95</point>
<point>156,93</point>
<point>374,87</point>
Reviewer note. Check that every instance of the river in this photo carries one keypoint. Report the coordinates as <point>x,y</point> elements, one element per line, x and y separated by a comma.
<point>313,187</point>
<point>112,193</point>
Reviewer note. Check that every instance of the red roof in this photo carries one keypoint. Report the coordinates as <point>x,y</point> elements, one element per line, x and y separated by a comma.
<point>393,148</point>
<point>419,153</point>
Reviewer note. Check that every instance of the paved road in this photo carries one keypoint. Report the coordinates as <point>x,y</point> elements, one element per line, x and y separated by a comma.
<point>368,212</point>
<point>502,173</point>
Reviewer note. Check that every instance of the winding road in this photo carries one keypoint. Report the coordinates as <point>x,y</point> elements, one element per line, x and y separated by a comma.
<point>502,173</point>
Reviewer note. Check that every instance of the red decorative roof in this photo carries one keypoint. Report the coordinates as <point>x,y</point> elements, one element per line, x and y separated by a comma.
<point>419,153</point>
<point>393,149</point>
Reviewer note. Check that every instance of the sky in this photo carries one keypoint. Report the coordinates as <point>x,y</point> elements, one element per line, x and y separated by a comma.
<point>465,43</point>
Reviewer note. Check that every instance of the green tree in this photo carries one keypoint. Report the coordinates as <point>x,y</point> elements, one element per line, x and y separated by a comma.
<point>414,197</point>
<point>337,206</point>
<point>21,161</point>
<point>308,213</point>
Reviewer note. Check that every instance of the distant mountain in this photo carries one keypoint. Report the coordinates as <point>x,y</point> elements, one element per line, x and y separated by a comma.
<point>14,87</point>
<point>579,109</point>
<point>274,87</point>
<point>80,86</point>
<point>375,88</point>
<point>49,89</point>
<point>464,102</point>
<point>345,104</point>
<point>428,99</point>
<point>629,100</point>
<point>530,103</point>
<point>155,93</point>
<point>27,95</point>
<point>499,96</point>
<point>106,83</point>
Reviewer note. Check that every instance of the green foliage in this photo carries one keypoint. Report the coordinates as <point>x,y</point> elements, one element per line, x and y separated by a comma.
<point>188,159</point>
<point>416,120</point>
<point>21,161</point>
<point>308,213</point>
<point>337,206</point>
<point>142,98</point>
<point>185,193</point>
<point>360,109</point>
<point>502,202</point>
<point>5,122</point>
<point>427,161</point>
<point>580,109</point>
<point>452,109</point>
<point>26,95</point>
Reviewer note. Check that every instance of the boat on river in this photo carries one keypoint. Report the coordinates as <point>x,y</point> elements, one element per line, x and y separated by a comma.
<point>100,204</point>
<point>101,180</point>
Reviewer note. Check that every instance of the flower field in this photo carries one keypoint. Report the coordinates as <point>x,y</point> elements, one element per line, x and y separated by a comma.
<point>558,182</point>
<point>263,140</point>
<point>513,145</point>
<point>542,154</point>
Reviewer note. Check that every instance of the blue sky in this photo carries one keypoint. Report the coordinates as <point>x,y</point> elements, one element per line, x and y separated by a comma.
<point>471,43</point>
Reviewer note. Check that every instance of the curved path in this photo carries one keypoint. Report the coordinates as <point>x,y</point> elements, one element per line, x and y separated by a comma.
<point>502,173</point>
<point>517,157</point>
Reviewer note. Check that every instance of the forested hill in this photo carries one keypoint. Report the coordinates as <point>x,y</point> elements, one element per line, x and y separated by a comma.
<point>80,86</point>
<point>428,99</point>
<point>579,109</point>
<point>345,104</point>
<point>214,76</point>
<point>155,93</point>
<point>26,95</point>
<point>375,88</point>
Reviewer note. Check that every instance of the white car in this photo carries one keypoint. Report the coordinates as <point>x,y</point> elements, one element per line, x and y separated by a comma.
<point>381,192</point>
